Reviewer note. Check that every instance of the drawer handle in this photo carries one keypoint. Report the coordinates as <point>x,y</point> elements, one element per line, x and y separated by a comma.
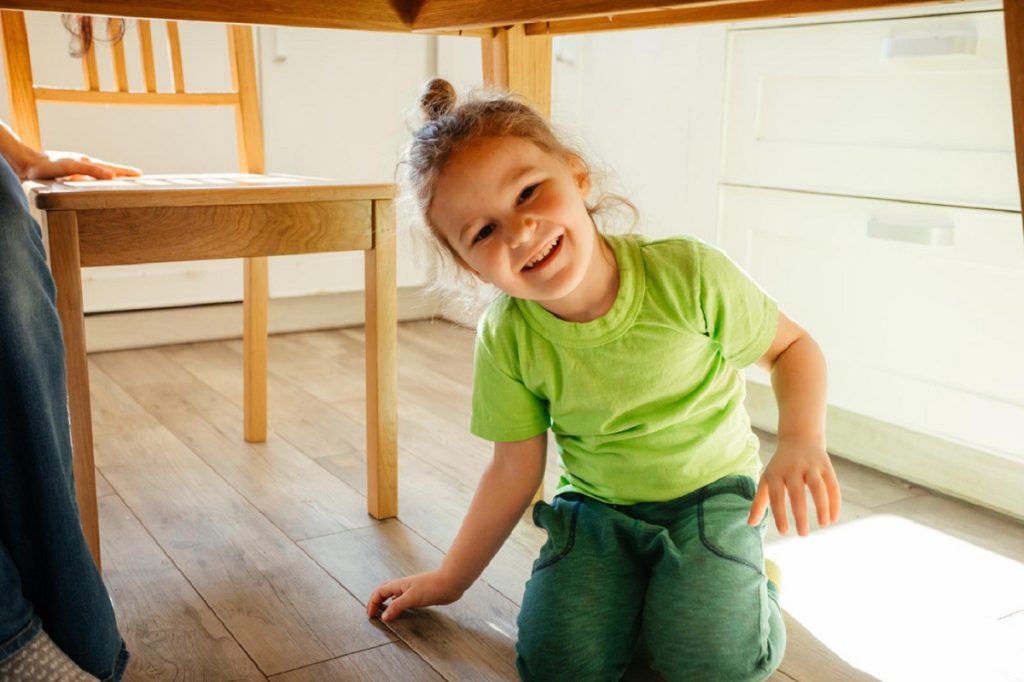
<point>932,235</point>
<point>940,41</point>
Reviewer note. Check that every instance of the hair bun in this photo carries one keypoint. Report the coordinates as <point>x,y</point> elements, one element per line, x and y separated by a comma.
<point>438,98</point>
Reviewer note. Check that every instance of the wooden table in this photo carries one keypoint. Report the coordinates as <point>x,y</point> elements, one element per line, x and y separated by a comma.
<point>516,34</point>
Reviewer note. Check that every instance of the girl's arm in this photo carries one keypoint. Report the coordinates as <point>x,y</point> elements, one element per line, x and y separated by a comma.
<point>800,461</point>
<point>505,491</point>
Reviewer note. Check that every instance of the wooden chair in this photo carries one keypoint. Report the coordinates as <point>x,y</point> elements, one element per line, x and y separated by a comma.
<point>173,218</point>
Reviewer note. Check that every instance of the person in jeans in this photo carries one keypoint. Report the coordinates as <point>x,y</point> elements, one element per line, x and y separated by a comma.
<point>56,618</point>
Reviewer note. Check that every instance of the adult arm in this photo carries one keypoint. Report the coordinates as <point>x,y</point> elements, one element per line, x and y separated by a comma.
<point>32,164</point>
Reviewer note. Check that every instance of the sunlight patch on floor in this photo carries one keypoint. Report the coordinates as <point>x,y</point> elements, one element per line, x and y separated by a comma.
<point>905,602</point>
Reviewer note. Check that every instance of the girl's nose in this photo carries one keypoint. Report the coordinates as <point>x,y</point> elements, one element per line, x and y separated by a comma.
<point>521,232</point>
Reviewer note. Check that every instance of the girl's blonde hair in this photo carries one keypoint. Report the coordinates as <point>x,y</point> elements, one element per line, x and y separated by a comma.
<point>450,125</point>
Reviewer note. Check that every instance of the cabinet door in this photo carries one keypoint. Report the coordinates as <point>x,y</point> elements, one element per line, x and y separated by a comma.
<point>915,109</point>
<point>919,309</point>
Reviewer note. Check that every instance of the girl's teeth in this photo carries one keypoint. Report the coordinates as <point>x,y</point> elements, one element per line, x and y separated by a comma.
<point>544,255</point>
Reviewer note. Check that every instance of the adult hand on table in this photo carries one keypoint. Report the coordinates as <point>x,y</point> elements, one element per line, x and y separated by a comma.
<point>47,165</point>
<point>32,164</point>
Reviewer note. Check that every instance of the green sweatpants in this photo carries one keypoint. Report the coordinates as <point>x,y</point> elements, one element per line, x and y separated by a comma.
<point>684,577</point>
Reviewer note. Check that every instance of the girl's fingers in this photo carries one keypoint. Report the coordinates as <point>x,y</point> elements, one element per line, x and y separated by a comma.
<point>835,495</point>
<point>381,595</point>
<point>395,607</point>
<point>798,502</point>
<point>373,606</point>
<point>777,494</point>
<point>821,499</point>
<point>760,504</point>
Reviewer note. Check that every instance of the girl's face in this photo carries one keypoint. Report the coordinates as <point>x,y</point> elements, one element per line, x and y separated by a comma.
<point>515,216</point>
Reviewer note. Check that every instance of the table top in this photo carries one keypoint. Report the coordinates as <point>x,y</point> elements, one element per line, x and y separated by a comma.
<point>451,16</point>
<point>198,189</point>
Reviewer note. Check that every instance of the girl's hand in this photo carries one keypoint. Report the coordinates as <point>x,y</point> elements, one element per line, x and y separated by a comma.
<point>49,165</point>
<point>424,589</point>
<point>794,467</point>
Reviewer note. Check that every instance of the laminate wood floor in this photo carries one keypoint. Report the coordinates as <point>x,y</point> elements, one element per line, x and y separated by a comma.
<point>235,561</point>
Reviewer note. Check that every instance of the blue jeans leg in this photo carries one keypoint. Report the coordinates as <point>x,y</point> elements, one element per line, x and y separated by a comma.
<point>46,571</point>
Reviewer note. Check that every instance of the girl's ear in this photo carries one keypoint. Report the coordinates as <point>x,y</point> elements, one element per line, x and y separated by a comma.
<point>581,175</point>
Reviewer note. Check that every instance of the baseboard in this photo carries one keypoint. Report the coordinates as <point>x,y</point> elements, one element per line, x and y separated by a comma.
<point>145,328</point>
<point>983,478</point>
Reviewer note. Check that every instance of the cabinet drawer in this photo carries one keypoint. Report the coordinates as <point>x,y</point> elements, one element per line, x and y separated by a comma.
<point>919,309</point>
<point>916,109</point>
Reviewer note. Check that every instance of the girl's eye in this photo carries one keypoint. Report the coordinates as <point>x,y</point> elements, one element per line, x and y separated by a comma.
<point>526,194</point>
<point>484,233</point>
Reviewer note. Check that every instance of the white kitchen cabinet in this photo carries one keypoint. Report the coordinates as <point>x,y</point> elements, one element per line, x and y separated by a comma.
<point>918,308</point>
<point>869,184</point>
<point>915,109</point>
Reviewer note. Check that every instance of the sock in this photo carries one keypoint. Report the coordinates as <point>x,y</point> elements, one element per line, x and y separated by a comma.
<point>42,661</point>
<point>774,573</point>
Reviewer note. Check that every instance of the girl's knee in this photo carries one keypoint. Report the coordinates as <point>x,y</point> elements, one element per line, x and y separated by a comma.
<point>718,664</point>
<point>723,653</point>
<point>546,659</point>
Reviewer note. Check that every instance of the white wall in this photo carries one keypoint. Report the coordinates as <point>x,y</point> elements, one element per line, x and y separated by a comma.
<point>643,106</point>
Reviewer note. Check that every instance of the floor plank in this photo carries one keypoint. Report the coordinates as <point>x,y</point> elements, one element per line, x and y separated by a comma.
<point>433,505</point>
<point>277,478</point>
<point>470,640</point>
<point>103,487</point>
<point>974,525</point>
<point>395,662</point>
<point>294,414</point>
<point>282,608</point>
<point>171,633</point>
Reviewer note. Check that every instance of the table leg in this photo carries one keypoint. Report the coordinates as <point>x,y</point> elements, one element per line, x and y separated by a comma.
<point>65,264</point>
<point>381,366</point>
<point>521,63</point>
<point>1013,16</point>
<point>513,60</point>
<point>254,349</point>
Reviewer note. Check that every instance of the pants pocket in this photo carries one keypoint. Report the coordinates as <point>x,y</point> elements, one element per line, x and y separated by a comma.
<point>559,520</point>
<point>722,511</point>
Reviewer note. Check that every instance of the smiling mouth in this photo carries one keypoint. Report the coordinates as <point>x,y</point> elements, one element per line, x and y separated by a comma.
<point>544,255</point>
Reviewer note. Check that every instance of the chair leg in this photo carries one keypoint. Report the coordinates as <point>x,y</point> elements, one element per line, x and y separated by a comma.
<point>254,349</point>
<point>381,371</point>
<point>65,264</point>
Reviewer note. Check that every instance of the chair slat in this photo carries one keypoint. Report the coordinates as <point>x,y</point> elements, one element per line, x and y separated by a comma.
<point>174,42</point>
<point>243,78</point>
<point>117,46</point>
<point>146,49</point>
<point>159,99</point>
<point>89,70</point>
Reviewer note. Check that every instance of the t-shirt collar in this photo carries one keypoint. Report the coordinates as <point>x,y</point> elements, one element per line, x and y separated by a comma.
<point>612,324</point>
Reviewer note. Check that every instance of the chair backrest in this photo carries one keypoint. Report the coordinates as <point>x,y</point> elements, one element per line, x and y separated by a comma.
<point>25,94</point>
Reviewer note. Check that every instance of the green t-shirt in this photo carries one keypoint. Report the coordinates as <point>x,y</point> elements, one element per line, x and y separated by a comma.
<point>645,402</point>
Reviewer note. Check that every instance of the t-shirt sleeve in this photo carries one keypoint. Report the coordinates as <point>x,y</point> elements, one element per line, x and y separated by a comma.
<point>739,316</point>
<point>504,409</point>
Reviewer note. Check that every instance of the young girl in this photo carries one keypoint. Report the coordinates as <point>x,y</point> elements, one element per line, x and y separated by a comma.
<point>632,352</point>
